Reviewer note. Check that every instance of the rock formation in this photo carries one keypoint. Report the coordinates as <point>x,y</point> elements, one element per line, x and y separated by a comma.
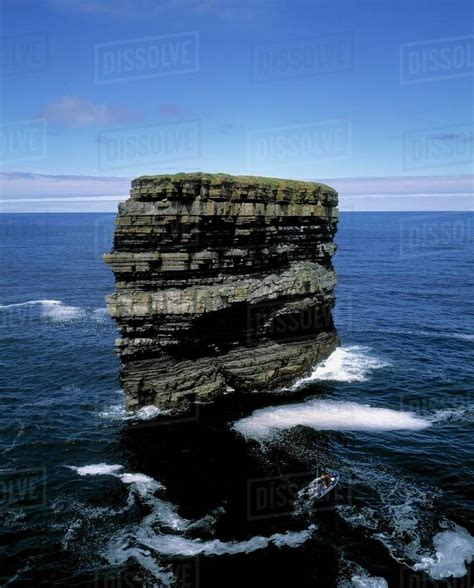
<point>223,283</point>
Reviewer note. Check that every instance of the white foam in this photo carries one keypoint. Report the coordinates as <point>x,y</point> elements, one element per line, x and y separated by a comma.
<point>145,485</point>
<point>454,548</point>
<point>450,415</point>
<point>399,514</point>
<point>178,545</point>
<point>147,413</point>
<point>57,311</point>
<point>138,542</point>
<point>327,415</point>
<point>292,538</point>
<point>163,512</point>
<point>61,313</point>
<point>118,412</point>
<point>97,469</point>
<point>403,519</point>
<point>100,314</point>
<point>114,412</point>
<point>368,582</point>
<point>355,576</point>
<point>118,553</point>
<point>345,364</point>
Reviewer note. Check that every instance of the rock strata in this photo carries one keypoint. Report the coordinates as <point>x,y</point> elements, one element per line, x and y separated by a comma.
<point>223,283</point>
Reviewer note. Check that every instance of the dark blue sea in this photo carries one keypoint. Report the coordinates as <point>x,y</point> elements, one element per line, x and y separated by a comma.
<point>93,496</point>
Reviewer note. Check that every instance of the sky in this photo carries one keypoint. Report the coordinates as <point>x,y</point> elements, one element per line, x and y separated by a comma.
<point>348,91</point>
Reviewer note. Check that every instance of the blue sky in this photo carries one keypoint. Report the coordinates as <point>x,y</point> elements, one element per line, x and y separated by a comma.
<point>284,88</point>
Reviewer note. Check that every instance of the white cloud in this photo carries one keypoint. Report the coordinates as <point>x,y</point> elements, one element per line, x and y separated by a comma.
<point>76,112</point>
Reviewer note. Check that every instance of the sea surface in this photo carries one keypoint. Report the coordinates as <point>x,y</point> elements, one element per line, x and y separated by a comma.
<point>93,496</point>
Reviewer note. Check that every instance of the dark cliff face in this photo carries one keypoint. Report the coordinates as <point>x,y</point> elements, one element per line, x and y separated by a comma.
<point>223,283</point>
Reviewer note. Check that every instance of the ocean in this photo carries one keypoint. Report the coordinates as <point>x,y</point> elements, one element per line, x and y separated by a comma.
<point>93,496</point>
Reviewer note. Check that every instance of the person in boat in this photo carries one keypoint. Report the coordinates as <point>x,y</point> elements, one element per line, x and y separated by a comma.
<point>325,480</point>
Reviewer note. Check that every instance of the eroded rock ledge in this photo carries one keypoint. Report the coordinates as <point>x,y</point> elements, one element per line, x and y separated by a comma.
<point>222,283</point>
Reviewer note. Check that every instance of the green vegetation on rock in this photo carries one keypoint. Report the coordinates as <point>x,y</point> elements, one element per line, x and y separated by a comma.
<point>221,178</point>
<point>222,185</point>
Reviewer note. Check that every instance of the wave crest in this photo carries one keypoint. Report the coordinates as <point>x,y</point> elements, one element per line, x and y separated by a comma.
<point>118,412</point>
<point>346,364</point>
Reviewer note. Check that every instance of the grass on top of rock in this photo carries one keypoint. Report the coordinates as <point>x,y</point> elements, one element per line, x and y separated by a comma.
<point>218,179</point>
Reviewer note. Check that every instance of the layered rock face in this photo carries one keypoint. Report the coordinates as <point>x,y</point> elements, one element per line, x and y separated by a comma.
<point>223,283</point>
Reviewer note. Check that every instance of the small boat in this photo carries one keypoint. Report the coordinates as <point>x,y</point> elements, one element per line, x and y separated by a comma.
<point>325,481</point>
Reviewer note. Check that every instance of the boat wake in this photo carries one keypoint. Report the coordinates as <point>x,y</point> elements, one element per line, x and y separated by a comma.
<point>398,512</point>
<point>401,517</point>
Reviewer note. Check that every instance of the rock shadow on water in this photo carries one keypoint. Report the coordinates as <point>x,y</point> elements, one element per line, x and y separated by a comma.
<point>248,490</point>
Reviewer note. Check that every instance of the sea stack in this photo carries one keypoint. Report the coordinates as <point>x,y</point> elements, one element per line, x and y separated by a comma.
<point>223,284</point>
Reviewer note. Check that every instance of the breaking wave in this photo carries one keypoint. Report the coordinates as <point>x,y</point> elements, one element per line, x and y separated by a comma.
<point>96,469</point>
<point>118,412</point>
<point>327,415</point>
<point>345,364</point>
